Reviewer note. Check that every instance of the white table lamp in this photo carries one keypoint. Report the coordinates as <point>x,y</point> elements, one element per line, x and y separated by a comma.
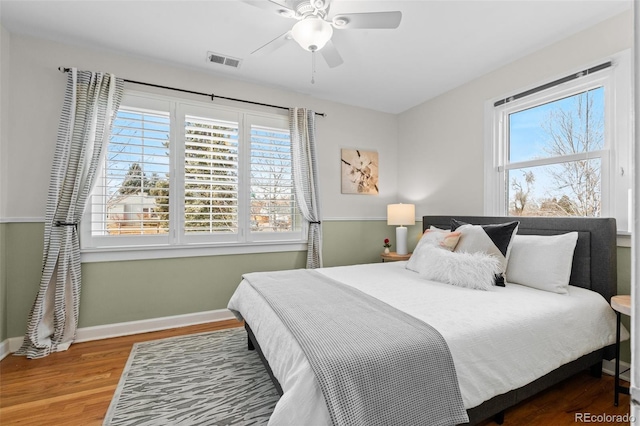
<point>401,214</point>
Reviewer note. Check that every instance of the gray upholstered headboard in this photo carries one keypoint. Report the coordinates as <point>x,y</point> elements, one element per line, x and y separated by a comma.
<point>594,260</point>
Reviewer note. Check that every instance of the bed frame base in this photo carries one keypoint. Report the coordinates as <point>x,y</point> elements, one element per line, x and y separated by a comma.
<point>252,344</point>
<point>496,406</point>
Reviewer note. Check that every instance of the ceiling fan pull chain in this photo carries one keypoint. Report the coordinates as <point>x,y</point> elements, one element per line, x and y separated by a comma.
<point>313,67</point>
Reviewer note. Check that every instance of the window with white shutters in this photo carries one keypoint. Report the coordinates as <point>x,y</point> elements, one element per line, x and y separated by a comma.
<point>185,174</point>
<point>210,176</point>
<point>131,197</point>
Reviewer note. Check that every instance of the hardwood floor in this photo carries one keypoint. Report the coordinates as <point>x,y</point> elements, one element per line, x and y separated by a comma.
<point>75,387</point>
<point>568,402</point>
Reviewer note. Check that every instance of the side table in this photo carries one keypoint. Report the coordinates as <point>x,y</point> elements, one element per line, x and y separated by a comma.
<point>622,305</point>
<point>393,256</point>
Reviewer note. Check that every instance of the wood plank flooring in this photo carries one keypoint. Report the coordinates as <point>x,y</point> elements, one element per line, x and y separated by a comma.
<point>75,387</point>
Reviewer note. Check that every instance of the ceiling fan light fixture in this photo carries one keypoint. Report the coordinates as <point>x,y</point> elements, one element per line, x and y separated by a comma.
<point>312,33</point>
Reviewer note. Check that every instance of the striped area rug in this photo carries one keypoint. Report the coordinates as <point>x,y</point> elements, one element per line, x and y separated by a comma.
<point>201,379</point>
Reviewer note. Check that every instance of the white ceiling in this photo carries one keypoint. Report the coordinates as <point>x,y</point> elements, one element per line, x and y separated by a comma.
<point>439,44</point>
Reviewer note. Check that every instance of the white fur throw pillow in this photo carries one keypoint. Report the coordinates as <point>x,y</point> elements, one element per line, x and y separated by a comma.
<point>433,237</point>
<point>471,270</point>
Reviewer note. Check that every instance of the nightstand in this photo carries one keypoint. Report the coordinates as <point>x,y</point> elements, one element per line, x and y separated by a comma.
<point>393,256</point>
<point>622,305</point>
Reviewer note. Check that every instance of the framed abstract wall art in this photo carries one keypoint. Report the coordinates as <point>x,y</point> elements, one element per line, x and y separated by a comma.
<point>359,171</point>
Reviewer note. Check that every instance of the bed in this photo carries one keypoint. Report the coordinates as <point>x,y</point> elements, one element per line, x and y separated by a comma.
<point>535,345</point>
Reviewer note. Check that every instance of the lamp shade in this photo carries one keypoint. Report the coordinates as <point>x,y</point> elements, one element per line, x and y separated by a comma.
<point>401,214</point>
<point>312,33</point>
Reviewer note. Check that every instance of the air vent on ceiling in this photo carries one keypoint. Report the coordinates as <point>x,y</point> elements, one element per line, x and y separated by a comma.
<point>216,58</point>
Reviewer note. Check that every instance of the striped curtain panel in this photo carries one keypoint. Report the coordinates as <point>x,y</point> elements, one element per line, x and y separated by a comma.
<point>90,103</point>
<point>305,178</point>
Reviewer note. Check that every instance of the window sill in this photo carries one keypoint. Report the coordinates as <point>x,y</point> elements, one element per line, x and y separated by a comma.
<point>114,254</point>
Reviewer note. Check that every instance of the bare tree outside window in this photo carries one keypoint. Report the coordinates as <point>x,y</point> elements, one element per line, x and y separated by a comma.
<point>521,193</point>
<point>273,207</point>
<point>567,134</point>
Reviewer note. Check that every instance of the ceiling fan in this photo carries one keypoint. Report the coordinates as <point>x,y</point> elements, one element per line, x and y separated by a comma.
<point>314,28</point>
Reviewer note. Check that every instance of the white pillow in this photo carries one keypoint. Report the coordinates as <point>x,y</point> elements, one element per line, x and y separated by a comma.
<point>541,261</point>
<point>470,270</point>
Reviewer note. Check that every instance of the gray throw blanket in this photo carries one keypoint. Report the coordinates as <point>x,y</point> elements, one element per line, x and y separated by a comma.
<point>375,365</point>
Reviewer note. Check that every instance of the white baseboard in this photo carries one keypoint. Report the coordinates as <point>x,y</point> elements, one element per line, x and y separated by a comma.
<point>4,349</point>
<point>609,367</point>
<point>107,331</point>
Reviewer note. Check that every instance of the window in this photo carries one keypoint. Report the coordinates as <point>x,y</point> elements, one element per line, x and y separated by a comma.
<point>273,206</point>
<point>565,150</point>
<point>128,198</point>
<point>184,174</point>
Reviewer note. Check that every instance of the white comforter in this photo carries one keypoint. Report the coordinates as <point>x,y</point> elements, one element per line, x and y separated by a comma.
<point>500,339</point>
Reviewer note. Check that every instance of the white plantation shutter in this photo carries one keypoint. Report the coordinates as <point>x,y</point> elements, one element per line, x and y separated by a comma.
<point>273,207</point>
<point>191,174</point>
<point>132,195</point>
<point>211,176</point>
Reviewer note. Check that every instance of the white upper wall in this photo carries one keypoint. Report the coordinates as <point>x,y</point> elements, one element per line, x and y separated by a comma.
<point>441,142</point>
<point>4,114</point>
<point>37,92</point>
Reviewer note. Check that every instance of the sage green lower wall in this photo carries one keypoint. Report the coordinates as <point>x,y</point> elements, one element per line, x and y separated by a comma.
<point>115,292</point>
<point>352,242</point>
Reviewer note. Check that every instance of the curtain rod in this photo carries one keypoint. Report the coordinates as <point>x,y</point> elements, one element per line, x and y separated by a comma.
<point>553,83</point>
<point>209,95</point>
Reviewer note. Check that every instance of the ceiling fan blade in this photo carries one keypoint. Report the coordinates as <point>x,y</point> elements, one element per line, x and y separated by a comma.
<point>369,20</point>
<point>273,45</point>
<point>331,55</point>
<point>273,6</point>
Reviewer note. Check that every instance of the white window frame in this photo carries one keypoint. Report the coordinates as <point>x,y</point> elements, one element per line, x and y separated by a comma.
<point>176,243</point>
<point>617,153</point>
